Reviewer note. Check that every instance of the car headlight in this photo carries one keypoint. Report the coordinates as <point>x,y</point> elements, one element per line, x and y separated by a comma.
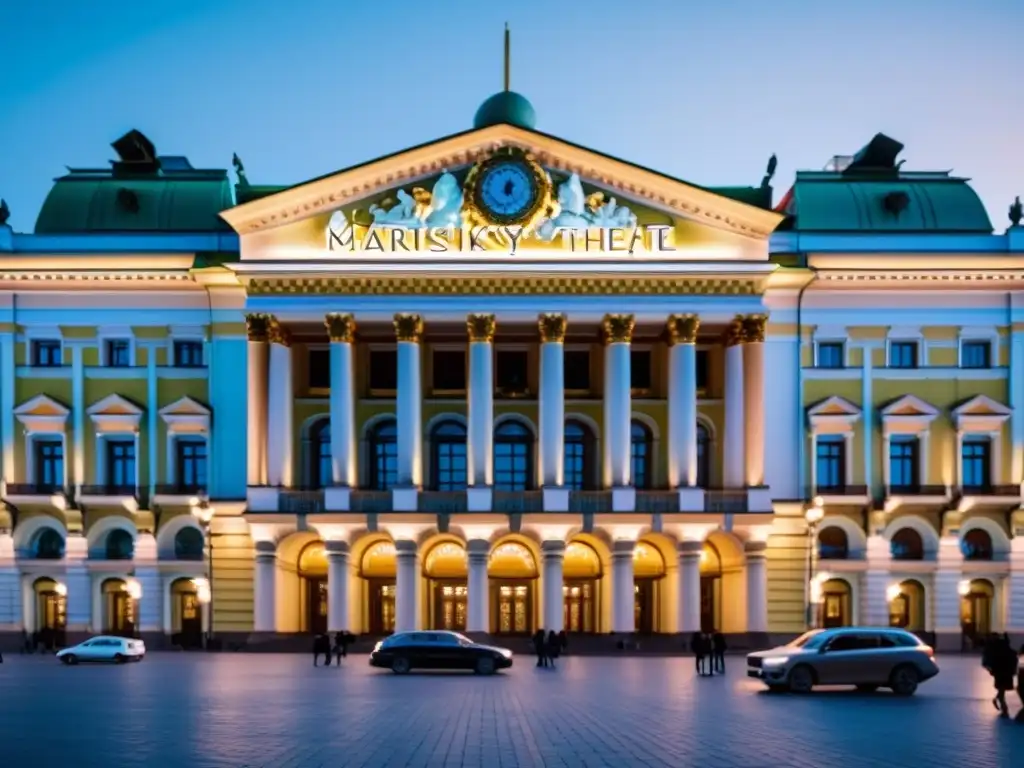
<point>776,661</point>
<point>378,646</point>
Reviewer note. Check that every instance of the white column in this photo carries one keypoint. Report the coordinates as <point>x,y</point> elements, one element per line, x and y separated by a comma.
<point>258,326</point>
<point>152,415</point>
<point>753,397</point>
<point>337,585</point>
<point>341,330</point>
<point>551,402</point>
<point>481,400</point>
<point>875,603</point>
<point>623,595</point>
<point>618,333</point>
<point>733,452</point>
<point>553,553</point>
<point>757,587</point>
<point>406,587</point>
<point>147,574</point>
<point>408,332</point>
<point>78,416</point>
<point>76,578</point>
<point>8,464</point>
<point>689,586</point>
<point>682,400</point>
<point>478,587</point>
<point>280,404</point>
<point>867,421</point>
<point>264,587</point>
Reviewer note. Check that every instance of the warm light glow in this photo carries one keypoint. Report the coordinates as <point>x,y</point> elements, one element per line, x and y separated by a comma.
<point>202,511</point>
<point>816,593</point>
<point>202,590</point>
<point>964,587</point>
<point>134,589</point>
<point>815,514</point>
<point>894,591</point>
<point>822,577</point>
<point>61,589</point>
<point>703,556</point>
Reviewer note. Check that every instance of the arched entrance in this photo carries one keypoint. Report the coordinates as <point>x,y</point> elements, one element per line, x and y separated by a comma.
<point>186,614</point>
<point>906,606</point>
<point>710,588</point>
<point>313,587</point>
<point>118,608</point>
<point>445,568</point>
<point>836,604</point>
<point>976,610</point>
<point>51,612</point>
<point>581,573</point>
<point>648,570</point>
<point>379,568</point>
<point>512,570</point>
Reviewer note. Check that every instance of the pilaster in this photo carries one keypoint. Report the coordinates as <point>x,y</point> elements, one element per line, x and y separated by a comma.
<point>551,401</point>
<point>618,335</point>
<point>734,453</point>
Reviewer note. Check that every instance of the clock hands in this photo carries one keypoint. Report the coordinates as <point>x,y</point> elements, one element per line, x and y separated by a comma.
<point>509,186</point>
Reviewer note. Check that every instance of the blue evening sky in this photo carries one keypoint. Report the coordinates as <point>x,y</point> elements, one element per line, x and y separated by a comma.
<point>703,91</point>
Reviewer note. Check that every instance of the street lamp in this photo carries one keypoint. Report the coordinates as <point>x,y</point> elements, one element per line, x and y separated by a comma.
<point>135,593</point>
<point>203,513</point>
<point>813,515</point>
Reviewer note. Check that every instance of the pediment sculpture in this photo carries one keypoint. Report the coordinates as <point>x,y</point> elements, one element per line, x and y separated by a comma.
<point>576,211</point>
<point>441,207</point>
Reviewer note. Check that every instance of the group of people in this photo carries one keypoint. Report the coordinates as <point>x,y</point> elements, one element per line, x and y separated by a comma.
<point>322,646</point>
<point>1004,664</point>
<point>709,650</point>
<point>549,647</point>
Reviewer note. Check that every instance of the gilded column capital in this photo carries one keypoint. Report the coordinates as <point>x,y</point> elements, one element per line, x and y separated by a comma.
<point>618,328</point>
<point>340,327</point>
<point>408,327</point>
<point>682,329</point>
<point>734,333</point>
<point>481,327</point>
<point>257,326</point>
<point>552,327</point>
<point>279,334</point>
<point>753,328</point>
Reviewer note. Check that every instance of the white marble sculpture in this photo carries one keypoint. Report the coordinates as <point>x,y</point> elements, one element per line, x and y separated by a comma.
<point>611,215</point>
<point>401,215</point>
<point>445,203</point>
<point>573,212</point>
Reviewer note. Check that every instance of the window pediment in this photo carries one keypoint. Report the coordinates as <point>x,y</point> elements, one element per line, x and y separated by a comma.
<point>186,415</point>
<point>833,415</point>
<point>42,414</point>
<point>115,413</point>
<point>980,414</point>
<point>908,414</point>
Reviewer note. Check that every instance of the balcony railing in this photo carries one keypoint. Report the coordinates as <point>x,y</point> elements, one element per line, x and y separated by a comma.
<point>35,489</point>
<point>839,490</point>
<point>991,490</point>
<point>917,490</point>
<point>720,501</point>
<point>442,502</point>
<point>109,489</point>
<point>517,502</point>
<point>301,502</point>
<point>181,489</point>
<point>590,502</point>
<point>657,502</point>
<point>370,502</point>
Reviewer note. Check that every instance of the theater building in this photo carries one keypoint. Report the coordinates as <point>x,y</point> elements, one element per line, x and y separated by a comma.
<point>500,382</point>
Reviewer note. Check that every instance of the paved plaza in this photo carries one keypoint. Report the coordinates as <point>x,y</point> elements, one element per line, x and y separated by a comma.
<point>278,711</point>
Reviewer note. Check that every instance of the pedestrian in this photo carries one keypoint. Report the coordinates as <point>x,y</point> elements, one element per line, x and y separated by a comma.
<point>539,648</point>
<point>553,647</point>
<point>1020,684</point>
<point>563,642</point>
<point>697,647</point>
<point>317,648</point>
<point>341,643</point>
<point>718,643</point>
<point>1004,663</point>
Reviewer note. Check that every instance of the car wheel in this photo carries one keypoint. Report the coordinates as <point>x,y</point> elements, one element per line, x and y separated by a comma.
<point>485,665</point>
<point>400,665</point>
<point>69,659</point>
<point>904,680</point>
<point>118,658</point>
<point>801,679</point>
<point>775,688</point>
<point>867,688</point>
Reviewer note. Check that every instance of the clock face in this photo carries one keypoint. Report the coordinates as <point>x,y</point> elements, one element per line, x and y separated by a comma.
<point>507,192</point>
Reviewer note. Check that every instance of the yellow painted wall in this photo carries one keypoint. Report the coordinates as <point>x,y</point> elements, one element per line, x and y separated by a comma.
<point>233,562</point>
<point>787,580</point>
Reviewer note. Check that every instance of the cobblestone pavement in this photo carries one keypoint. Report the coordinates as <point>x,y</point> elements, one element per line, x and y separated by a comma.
<point>278,711</point>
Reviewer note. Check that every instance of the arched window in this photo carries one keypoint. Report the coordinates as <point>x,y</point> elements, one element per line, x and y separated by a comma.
<point>640,450</point>
<point>188,544</point>
<point>703,457</point>
<point>513,457</point>
<point>49,545</point>
<point>976,544</point>
<point>833,543</point>
<point>579,456</point>
<point>119,545</point>
<point>320,465</point>
<point>907,544</point>
<point>448,457</point>
<point>384,456</point>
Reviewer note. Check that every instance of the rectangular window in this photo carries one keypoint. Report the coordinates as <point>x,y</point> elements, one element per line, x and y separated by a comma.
<point>702,370</point>
<point>976,354</point>
<point>830,354</point>
<point>831,463</point>
<point>449,371</point>
<point>49,465</point>
<point>319,369</point>
<point>118,353</point>
<point>903,354</point>
<point>47,354</point>
<point>976,465</point>
<point>190,470</point>
<point>640,364</point>
<point>903,465</point>
<point>383,370</point>
<point>577,370</point>
<point>510,375</point>
<point>120,479</point>
<point>188,354</point>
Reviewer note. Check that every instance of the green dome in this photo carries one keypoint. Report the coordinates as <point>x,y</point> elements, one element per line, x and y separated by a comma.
<point>506,107</point>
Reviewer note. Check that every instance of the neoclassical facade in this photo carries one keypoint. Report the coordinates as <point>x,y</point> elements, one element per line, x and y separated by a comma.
<point>501,382</point>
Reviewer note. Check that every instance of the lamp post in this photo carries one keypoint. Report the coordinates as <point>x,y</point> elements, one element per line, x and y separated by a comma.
<point>60,614</point>
<point>893,593</point>
<point>135,593</point>
<point>203,513</point>
<point>813,515</point>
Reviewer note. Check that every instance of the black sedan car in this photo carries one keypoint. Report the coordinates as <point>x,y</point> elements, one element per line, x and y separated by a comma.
<point>438,650</point>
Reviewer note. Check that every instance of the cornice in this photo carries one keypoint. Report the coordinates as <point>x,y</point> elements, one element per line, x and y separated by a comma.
<point>953,279</point>
<point>330,193</point>
<point>94,278</point>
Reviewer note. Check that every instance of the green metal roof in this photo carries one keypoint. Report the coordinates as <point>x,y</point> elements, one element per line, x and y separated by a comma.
<point>506,107</point>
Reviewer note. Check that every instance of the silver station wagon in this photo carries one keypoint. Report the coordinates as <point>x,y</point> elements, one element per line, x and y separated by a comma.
<point>866,657</point>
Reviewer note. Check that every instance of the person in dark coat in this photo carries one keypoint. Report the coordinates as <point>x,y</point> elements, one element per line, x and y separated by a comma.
<point>1004,669</point>
<point>554,647</point>
<point>719,648</point>
<point>341,641</point>
<point>540,648</point>
<point>563,642</point>
<point>697,648</point>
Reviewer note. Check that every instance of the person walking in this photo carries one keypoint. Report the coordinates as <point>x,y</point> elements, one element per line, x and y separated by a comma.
<point>340,646</point>
<point>563,642</point>
<point>539,648</point>
<point>697,647</point>
<point>317,647</point>
<point>554,647</point>
<point>719,648</point>
<point>1004,663</point>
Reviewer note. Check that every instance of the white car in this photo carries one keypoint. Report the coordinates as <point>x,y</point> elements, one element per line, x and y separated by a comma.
<point>116,649</point>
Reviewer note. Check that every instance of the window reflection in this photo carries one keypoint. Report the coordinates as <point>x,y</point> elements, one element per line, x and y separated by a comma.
<point>513,457</point>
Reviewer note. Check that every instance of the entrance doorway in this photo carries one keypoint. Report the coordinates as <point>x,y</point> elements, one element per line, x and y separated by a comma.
<point>313,587</point>
<point>976,611</point>
<point>512,571</point>
<point>907,607</point>
<point>648,570</point>
<point>513,608</point>
<point>378,567</point>
<point>710,588</point>
<point>643,605</point>
<point>382,607</point>
<point>835,604</point>
<point>119,609</point>
<point>450,607</point>
<point>581,571</point>
<point>446,569</point>
<point>51,613</point>
<point>186,615</point>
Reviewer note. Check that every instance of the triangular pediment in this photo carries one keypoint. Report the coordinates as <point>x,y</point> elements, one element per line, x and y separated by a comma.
<point>909,405</point>
<point>114,405</point>
<point>653,197</point>
<point>185,406</point>
<point>42,406</point>
<point>982,405</point>
<point>834,406</point>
